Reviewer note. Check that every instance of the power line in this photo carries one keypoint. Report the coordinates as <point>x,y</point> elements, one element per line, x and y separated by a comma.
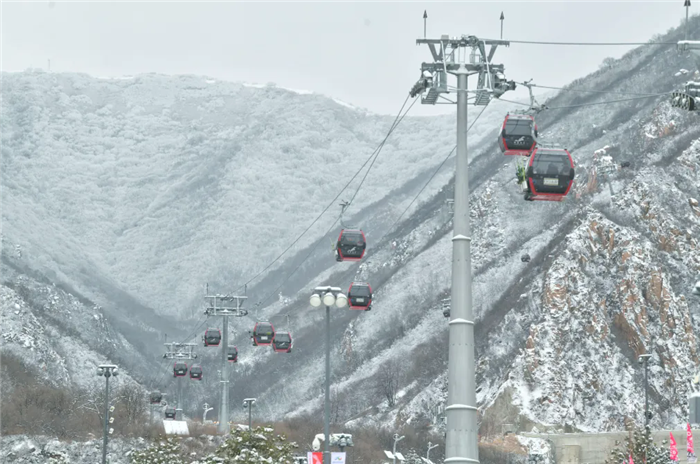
<point>589,43</point>
<point>599,91</point>
<point>585,104</point>
<point>396,122</point>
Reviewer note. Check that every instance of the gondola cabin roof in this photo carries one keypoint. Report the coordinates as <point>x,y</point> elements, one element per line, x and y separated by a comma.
<point>550,174</point>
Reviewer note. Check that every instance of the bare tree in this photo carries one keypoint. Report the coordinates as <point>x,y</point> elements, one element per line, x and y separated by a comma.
<point>388,380</point>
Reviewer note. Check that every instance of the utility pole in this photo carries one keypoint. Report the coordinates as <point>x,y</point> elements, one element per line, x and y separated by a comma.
<point>179,352</point>
<point>645,359</point>
<point>248,403</point>
<point>450,56</point>
<point>220,305</point>
<point>331,296</point>
<point>106,371</point>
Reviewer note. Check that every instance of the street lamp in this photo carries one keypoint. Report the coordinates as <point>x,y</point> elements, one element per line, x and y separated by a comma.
<point>644,359</point>
<point>106,371</point>
<point>430,446</point>
<point>248,404</point>
<point>393,455</point>
<point>331,296</point>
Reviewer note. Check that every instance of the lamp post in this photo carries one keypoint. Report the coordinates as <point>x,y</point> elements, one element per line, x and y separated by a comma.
<point>645,360</point>
<point>106,371</point>
<point>328,296</point>
<point>430,446</point>
<point>397,439</point>
<point>248,404</point>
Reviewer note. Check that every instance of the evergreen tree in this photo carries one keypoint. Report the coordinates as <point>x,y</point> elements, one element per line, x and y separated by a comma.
<point>642,444</point>
<point>256,446</point>
<point>165,452</point>
<point>412,457</point>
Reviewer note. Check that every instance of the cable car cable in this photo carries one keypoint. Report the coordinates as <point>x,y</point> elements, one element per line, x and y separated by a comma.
<point>396,122</point>
<point>583,104</point>
<point>449,155</point>
<point>313,249</point>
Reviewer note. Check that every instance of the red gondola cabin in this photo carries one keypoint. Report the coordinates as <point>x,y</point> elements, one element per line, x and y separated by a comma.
<point>351,245</point>
<point>516,137</point>
<point>196,372</point>
<point>170,413</point>
<point>360,296</point>
<point>212,337</point>
<point>179,369</point>
<point>282,342</point>
<point>232,354</point>
<point>550,174</point>
<point>263,334</point>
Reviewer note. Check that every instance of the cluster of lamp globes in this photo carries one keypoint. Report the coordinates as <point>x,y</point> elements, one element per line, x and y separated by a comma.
<point>329,299</point>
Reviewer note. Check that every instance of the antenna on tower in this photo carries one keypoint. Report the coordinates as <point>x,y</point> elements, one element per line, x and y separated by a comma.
<point>503,17</point>
<point>686,4</point>
<point>425,22</point>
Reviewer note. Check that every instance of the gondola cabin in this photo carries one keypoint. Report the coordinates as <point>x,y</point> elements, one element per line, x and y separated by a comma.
<point>156,397</point>
<point>525,258</point>
<point>360,296</point>
<point>550,174</point>
<point>232,354</point>
<point>170,413</point>
<point>196,372</point>
<point>263,333</point>
<point>179,369</point>
<point>516,137</point>
<point>212,337</point>
<point>282,342</point>
<point>351,245</point>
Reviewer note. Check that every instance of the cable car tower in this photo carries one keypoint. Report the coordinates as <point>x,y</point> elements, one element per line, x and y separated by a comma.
<point>179,352</point>
<point>225,306</point>
<point>450,56</point>
<point>689,98</point>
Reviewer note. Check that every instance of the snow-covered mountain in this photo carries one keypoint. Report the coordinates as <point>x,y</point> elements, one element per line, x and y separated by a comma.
<point>132,193</point>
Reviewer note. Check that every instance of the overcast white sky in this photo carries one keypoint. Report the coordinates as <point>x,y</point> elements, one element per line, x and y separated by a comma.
<point>360,52</point>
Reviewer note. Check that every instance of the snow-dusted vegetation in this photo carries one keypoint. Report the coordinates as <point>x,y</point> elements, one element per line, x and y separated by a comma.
<point>123,197</point>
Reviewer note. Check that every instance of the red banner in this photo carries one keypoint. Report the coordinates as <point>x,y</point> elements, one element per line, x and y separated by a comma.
<point>690,440</point>
<point>674,448</point>
<point>315,458</point>
<point>631,460</point>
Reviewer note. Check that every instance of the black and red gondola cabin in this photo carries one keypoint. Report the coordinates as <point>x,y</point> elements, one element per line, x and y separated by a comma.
<point>282,342</point>
<point>156,397</point>
<point>196,372</point>
<point>516,137</point>
<point>550,174</point>
<point>170,413</point>
<point>351,245</point>
<point>232,354</point>
<point>360,296</point>
<point>263,333</point>
<point>179,369</point>
<point>212,337</point>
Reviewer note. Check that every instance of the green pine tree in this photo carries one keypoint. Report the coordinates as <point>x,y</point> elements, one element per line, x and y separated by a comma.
<point>260,445</point>
<point>165,452</point>
<point>642,445</point>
